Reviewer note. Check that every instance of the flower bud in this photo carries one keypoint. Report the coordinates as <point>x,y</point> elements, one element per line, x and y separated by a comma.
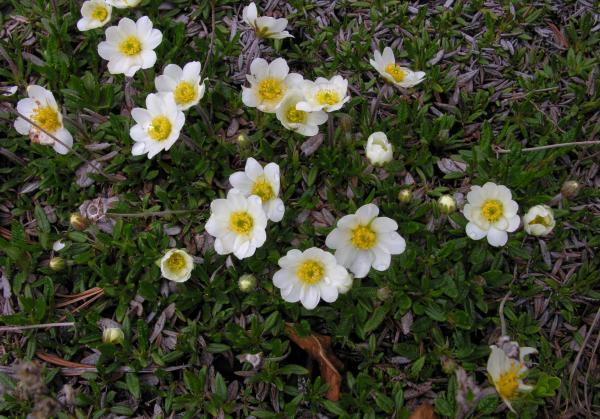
<point>57,264</point>
<point>242,139</point>
<point>447,204</point>
<point>384,293</point>
<point>78,222</point>
<point>345,123</point>
<point>539,221</point>
<point>405,196</point>
<point>570,188</point>
<point>113,335</point>
<point>247,282</point>
<point>379,150</point>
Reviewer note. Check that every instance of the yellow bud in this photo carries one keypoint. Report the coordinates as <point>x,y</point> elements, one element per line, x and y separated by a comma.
<point>243,139</point>
<point>113,335</point>
<point>570,189</point>
<point>405,196</point>
<point>247,282</point>
<point>57,264</point>
<point>78,222</point>
<point>447,204</point>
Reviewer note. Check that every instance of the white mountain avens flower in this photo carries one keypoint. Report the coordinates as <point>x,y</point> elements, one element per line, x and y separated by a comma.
<point>265,26</point>
<point>379,150</point>
<point>310,276</point>
<point>238,224</point>
<point>269,84</point>
<point>364,240</point>
<point>41,108</point>
<point>185,84</point>
<point>157,126</point>
<point>386,65</point>
<point>323,94</point>
<point>129,46</point>
<point>507,372</point>
<point>123,4</point>
<point>302,122</point>
<point>176,265</point>
<point>539,220</point>
<point>95,14</point>
<point>262,182</point>
<point>491,213</point>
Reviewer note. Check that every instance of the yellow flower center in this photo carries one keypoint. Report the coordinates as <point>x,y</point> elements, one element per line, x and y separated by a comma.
<point>130,46</point>
<point>395,71</point>
<point>160,128</point>
<point>263,189</point>
<point>176,262</point>
<point>363,237</point>
<point>492,210</point>
<point>310,272</point>
<point>508,384</point>
<point>241,223</point>
<point>184,93</point>
<point>47,118</point>
<point>295,116</point>
<point>327,97</point>
<point>271,89</point>
<point>545,221</point>
<point>262,32</point>
<point>100,13</point>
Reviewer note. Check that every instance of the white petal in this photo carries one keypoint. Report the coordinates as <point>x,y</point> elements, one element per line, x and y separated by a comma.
<point>393,242</point>
<point>475,232</point>
<point>497,238</point>
<point>310,297</point>
<point>367,212</point>
<point>362,264</point>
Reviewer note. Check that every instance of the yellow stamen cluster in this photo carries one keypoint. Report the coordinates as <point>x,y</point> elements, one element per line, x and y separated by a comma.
<point>363,237</point>
<point>327,97</point>
<point>100,13</point>
<point>295,116</point>
<point>176,262</point>
<point>130,46</point>
<point>263,189</point>
<point>184,93</point>
<point>492,210</point>
<point>241,223</point>
<point>271,89</point>
<point>508,383</point>
<point>47,118</point>
<point>310,272</point>
<point>160,128</point>
<point>396,72</point>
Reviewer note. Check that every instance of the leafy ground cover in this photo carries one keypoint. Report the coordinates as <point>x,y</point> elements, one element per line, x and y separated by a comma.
<point>502,79</point>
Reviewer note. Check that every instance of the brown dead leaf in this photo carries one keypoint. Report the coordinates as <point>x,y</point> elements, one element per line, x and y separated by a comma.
<point>425,411</point>
<point>558,35</point>
<point>318,347</point>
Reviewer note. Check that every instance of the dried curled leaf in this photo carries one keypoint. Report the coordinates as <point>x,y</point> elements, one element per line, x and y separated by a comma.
<point>318,347</point>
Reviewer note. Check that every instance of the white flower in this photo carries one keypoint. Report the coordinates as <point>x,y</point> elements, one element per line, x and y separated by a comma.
<point>238,224</point>
<point>539,220</point>
<point>491,213</point>
<point>176,265</point>
<point>363,240</point>
<point>123,4</point>
<point>264,183</point>
<point>41,108</point>
<point>158,125</point>
<point>379,150</point>
<point>507,372</point>
<point>185,84</point>
<point>386,65</point>
<point>310,276</point>
<point>302,122</point>
<point>265,26</point>
<point>129,46</point>
<point>269,84</point>
<point>95,13</point>
<point>323,94</point>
